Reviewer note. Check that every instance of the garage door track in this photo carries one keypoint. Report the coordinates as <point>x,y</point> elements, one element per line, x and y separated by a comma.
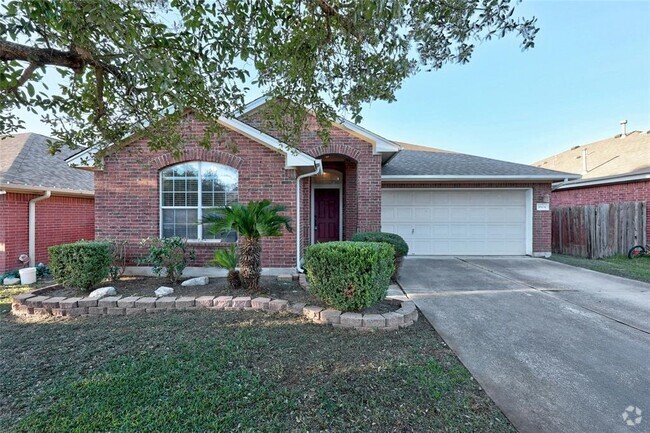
<point>558,348</point>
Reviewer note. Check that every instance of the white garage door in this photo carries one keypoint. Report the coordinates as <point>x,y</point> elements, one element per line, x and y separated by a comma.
<point>458,222</point>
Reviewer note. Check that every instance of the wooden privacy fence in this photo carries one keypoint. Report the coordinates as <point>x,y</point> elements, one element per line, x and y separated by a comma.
<point>599,231</point>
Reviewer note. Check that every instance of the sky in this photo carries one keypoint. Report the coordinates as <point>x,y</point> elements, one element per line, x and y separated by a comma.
<point>589,69</point>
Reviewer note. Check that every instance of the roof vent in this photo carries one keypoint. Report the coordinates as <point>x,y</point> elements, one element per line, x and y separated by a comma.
<point>623,128</point>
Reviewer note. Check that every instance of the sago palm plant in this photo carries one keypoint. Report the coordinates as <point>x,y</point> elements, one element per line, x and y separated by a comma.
<point>252,222</point>
<point>226,258</point>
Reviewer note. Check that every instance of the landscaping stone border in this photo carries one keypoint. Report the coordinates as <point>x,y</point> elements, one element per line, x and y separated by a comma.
<point>38,304</point>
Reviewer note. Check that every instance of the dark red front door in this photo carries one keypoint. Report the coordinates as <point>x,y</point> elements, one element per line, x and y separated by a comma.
<point>326,215</point>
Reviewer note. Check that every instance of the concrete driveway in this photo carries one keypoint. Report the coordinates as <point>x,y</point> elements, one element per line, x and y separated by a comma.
<point>558,348</point>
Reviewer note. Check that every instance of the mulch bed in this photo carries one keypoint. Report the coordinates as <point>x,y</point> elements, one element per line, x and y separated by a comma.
<point>270,287</point>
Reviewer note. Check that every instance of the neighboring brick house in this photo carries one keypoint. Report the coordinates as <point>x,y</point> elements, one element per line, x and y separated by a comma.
<point>613,170</point>
<point>440,202</point>
<point>61,198</point>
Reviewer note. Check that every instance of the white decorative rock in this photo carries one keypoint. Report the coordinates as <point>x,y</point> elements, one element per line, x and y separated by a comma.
<point>198,281</point>
<point>163,291</point>
<point>102,291</point>
<point>10,281</point>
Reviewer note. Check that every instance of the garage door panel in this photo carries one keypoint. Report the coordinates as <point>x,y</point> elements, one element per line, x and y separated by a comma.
<point>458,222</point>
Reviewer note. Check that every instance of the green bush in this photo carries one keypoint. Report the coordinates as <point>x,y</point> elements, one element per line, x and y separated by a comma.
<point>168,256</point>
<point>349,276</point>
<point>82,265</point>
<point>399,245</point>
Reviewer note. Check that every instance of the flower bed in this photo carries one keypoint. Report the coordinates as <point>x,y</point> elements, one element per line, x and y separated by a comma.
<point>39,303</point>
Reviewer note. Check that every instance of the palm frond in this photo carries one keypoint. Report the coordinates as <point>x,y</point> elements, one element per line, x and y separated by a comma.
<point>254,220</point>
<point>226,258</point>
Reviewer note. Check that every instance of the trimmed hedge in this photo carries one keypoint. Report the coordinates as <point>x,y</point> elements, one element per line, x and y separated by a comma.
<point>349,276</point>
<point>82,265</point>
<point>399,244</point>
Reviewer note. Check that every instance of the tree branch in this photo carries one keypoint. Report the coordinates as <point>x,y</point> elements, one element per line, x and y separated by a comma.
<point>41,56</point>
<point>99,93</point>
<point>26,75</point>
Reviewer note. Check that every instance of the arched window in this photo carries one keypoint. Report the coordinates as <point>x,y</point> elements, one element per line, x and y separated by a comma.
<point>190,190</point>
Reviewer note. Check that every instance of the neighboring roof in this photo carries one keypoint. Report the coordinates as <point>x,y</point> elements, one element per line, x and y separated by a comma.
<point>26,164</point>
<point>409,146</point>
<point>418,165</point>
<point>293,158</point>
<point>380,144</point>
<point>612,156</point>
<point>606,180</point>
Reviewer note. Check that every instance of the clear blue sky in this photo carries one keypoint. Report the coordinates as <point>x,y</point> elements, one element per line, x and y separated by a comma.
<point>590,69</point>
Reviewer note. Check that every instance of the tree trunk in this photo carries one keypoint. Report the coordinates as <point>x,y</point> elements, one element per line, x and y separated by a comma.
<point>250,263</point>
<point>233,279</point>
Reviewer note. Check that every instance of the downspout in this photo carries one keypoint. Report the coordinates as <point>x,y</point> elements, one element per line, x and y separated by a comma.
<point>32,226</point>
<point>319,170</point>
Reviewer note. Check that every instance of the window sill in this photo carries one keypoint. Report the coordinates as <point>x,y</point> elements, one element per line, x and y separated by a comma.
<point>209,242</point>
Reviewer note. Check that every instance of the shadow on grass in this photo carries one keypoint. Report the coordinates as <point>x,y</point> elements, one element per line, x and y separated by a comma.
<point>232,371</point>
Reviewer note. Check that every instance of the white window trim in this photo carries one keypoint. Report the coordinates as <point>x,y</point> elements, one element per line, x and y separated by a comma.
<point>199,207</point>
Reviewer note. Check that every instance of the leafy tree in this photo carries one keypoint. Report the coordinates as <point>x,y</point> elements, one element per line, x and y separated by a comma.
<point>125,65</point>
<point>252,222</point>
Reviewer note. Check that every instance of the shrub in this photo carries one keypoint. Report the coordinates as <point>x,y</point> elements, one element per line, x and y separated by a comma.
<point>83,264</point>
<point>226,258</point>
<point>399,244</point>
<point>349,276</point>
<point>118,257</point>
<point>42,271</point>
<point>168,256</point>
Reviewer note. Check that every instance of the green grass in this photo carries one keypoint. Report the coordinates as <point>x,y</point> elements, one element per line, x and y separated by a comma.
<point>636,269</point>
<point>205,371</point>
<point>8,292</point>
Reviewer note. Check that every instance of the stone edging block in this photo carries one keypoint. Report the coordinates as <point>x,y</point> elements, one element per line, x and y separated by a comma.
<point>37,303</point>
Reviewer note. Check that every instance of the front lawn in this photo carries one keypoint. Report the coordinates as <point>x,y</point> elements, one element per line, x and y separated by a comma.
<point>636,269</point>
<point>204,371</point>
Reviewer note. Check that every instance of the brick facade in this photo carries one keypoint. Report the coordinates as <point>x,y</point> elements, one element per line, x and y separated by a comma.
<point>613,193</point>
<point>59,219</point>
<point>127,190</point>
<point>541,192</point>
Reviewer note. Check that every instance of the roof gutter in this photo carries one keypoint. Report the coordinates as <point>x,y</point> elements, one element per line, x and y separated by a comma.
<point>32,226</point>
<point>447,178</point>
<point>601,181</point>
<point>318,170</point>
<point>10,187</point>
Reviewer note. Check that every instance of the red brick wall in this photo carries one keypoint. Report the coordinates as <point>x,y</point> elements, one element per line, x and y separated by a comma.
<point>127,191</point>
<point>362,173</point>
<point>622,192</point>
<point>541,219</point>
<point>59,220</point>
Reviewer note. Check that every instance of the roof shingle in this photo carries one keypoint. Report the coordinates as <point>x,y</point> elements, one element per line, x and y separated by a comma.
<point>419,163</point>
<point>609,157</point>
<point>25,161</point>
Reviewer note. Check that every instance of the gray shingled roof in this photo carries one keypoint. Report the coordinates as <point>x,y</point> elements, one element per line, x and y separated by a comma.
<point>419,163</point>
<point>25,161</point>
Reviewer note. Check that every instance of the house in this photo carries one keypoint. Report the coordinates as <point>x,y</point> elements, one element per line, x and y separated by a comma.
<point>440,202</point>
<point>615,169</point>
<point>43,201</point>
